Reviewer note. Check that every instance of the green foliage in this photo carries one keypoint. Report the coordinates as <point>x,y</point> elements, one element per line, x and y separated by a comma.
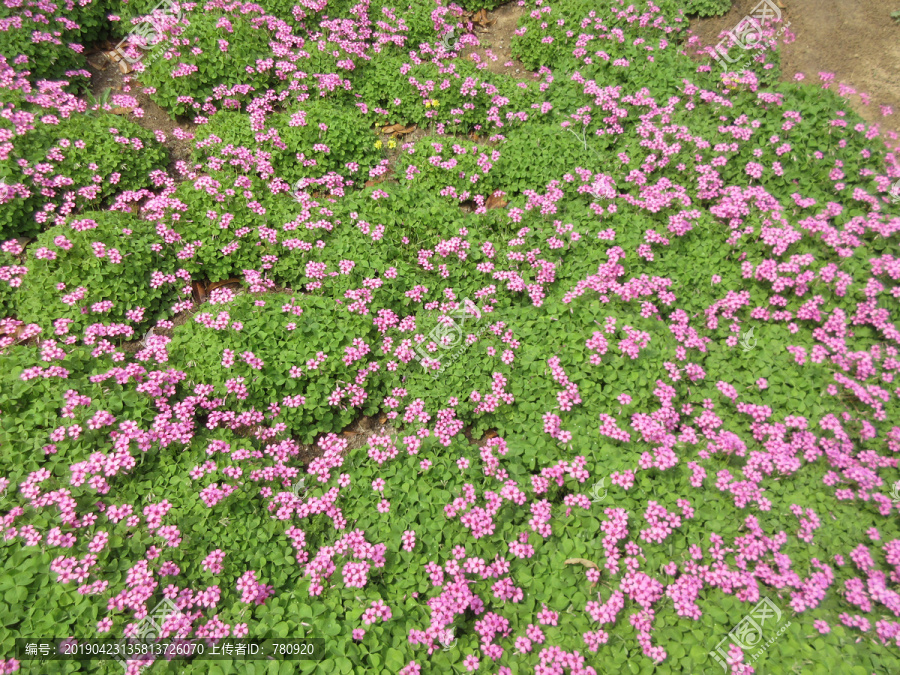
<point>197,67</point>
<point>553,46</point>
<point>326,246</point>
<point>707,7</point>
<point>126,284</point>
<point>291,138</point>
<point>475,5</point>
<point>97,102</point>
<point>323,326</point>
<point>44,32</point>
<point>76,149</point>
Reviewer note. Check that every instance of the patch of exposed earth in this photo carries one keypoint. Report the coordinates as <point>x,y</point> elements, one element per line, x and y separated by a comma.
<point>857,41</point>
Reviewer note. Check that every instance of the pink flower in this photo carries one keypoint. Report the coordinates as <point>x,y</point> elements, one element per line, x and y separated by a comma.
<point>548,617</point>
<point>377,610</point>
<point>213,562</point>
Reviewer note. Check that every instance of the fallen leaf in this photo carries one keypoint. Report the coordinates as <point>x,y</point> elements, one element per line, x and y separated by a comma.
<point>582,561</point>
<point>382,419</point>
<point>199,291</point>
<point>125,67</point>
<point>217,284</point>
<point>481,18</point>
<point>392,129</point>
<point>496,202</point>
<point>119,110</point>
<point>490,433</point>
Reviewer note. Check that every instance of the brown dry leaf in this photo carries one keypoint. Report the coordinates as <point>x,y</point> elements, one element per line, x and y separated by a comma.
<point>382,419</point>
<point>582,561</point>
<point>125,67</point>
<point>496,202</point>
<point>217,284</point>
<point>392,129</point>
<point>199,291</point>
<point>481,18</point>
<point>119,110</point>
<point>490,433</point>
<point>407,130</point>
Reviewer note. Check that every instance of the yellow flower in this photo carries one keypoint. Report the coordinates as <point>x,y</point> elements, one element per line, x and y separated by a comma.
<point>427,104</point>
<point>392,144</point>
<point>434,103</point>
<point>378,145</point>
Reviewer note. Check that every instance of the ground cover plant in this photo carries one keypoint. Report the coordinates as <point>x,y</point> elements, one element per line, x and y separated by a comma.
<point>621,333</point>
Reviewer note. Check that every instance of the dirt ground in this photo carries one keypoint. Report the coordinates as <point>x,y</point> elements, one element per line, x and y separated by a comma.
<point>106,75</point>
<point>855,39</point>
<point>495,38</point>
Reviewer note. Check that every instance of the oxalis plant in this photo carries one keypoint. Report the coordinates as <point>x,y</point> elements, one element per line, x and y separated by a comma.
<point>585,368</point>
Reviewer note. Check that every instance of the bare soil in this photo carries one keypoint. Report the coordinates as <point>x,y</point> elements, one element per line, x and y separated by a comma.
<point>495,40</point>
<point>856,40</point>
<point>106,75</point>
